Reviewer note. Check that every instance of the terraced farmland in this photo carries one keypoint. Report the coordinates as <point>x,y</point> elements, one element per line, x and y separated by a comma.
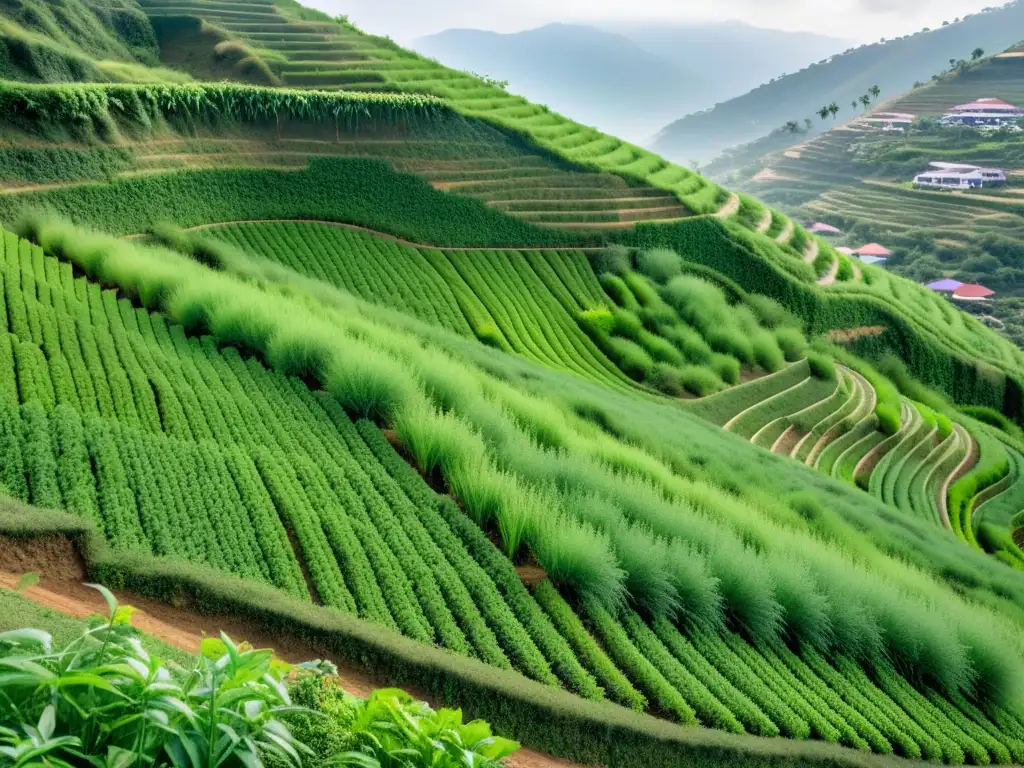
<point>503,410</point>
<point>146,421</point>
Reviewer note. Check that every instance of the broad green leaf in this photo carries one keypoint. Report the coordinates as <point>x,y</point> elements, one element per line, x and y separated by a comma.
<point>108,597</point>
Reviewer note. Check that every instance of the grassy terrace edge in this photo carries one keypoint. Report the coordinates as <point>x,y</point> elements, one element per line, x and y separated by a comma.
<point>543,718</point>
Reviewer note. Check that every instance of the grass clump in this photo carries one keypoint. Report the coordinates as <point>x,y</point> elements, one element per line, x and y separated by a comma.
<point>613,259</point>
<point>660,265</point>
<point>822,367</point>
<point>791,342</point>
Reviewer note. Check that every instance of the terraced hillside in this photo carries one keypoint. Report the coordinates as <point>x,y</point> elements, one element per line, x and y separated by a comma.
<point>285,354</point>
<point>856,177</point>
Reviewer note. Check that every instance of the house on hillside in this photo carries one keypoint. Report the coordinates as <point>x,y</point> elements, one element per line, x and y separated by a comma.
<point>945,286</point>
<point>890,121</point>
<point>972,292</point>
<point>987,112</point>
<point>873,253</point>
<point>820,228</point>
<point>955,176</point>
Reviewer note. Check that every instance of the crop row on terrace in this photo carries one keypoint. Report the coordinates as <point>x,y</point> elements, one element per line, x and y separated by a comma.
<point>368,383</point>
<point>174,429</point>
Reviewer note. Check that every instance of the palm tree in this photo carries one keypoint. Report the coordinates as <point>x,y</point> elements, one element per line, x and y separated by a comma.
<point>874,90</point>
<point>833,109</point>
<point>866,101</point>
<point>792,126</point>
<point>977,53</point>
<point>824,112</point>
<point>854,105</point>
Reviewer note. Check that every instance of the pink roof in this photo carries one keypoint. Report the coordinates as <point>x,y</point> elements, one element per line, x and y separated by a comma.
<point>823,229</point>
<point>987,103</point>
<point>873,249</point>
<point>945,286</point>
<point>973,291</point>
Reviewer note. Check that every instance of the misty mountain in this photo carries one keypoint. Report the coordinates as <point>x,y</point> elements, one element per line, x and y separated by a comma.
<point>596,77</point>
<point>627,80</point>
<point>894,66</point>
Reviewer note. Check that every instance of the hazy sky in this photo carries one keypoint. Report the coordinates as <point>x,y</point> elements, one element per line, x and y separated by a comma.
<point>862,20</point>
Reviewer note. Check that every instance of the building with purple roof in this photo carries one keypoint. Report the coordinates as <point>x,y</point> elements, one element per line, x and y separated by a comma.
<point>945,286</point>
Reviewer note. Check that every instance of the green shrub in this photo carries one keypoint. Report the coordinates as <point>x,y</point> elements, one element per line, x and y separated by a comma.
<point>690,343</point>
<point>597,322</point>
<point>792,343</point>
<point>822,367</point>
<point>641,287</point>
<point>667,379</point>
<point>700,381</point>
<point>631,358</point>
<point>731,341</point>
<point>660,265</point>
<point>726,368</point>
<point>698,302</point>
<point>767,353</point>
<point>619,292</point>
<point>627,325</point>
<point>662,350</point>
<point>770,312</point>
<point>613,259</point>
<point>889,418</point>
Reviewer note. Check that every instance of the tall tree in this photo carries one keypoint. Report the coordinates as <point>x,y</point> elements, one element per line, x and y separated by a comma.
<point>824,112</point>
<point>833,109</point>
<point>874,90</point>
<point>977,53</point>
<point>866,101</point>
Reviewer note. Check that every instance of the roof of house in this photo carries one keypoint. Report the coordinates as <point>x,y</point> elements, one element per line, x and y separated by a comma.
<point>873,259</point>
<point>987,103</point>
<point>945,286</point>
<point>822,228</point>
<point>873,249</point>
<point>973,291</point>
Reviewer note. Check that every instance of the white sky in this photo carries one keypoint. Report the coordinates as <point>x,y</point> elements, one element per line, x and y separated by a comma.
<point>862,20</point>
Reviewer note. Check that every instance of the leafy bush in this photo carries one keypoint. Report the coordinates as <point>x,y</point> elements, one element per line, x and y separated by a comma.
<point>660,265</point>
<point>633,359</point>
<point>700,381</point>
<point>791,342</point>
<point>613,259</point>
<point>821,366</point>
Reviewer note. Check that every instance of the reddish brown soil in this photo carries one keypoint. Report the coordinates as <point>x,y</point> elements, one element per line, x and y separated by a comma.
<point>531,575</point>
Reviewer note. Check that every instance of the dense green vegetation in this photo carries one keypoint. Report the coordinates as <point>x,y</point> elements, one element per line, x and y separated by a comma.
<point>165,714</point>
<point>493,404</point>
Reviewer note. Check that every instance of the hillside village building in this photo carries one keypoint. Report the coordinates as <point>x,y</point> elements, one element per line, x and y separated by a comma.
<point>954,176</point>
<point>988,112</point>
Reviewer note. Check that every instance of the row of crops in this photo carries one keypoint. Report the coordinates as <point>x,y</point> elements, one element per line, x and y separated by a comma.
<point>678,337</point>
<point>923,463</point>
<point>174,446</point>
<point>322,47</point>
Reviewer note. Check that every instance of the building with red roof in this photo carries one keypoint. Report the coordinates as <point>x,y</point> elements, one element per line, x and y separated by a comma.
<point>820,228</point>
<point>972,292</point>
<point>873,249</point>
<point>990,106</point>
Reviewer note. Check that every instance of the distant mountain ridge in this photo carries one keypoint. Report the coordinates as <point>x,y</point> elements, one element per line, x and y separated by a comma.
<point>894,66</point>
<point>627,80</point>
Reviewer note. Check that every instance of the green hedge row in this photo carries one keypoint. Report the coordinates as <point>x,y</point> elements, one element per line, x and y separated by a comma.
<point>541,717</point>
<point>358,191</point>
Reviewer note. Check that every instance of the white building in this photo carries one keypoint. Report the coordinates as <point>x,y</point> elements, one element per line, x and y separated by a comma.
<point>955,176</point>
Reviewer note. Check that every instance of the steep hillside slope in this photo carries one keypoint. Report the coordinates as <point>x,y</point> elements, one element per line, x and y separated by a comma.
<point>893,65</point>
<point>399,371</point>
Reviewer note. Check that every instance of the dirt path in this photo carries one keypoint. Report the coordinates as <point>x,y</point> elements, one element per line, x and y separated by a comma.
<point>731,207</point>
<point>965,466</point>
<point>812,250</point>
<point>786,233</point>
<point>846,335</point>
<point>60,588</point>
<point>766,221</point>
<point>830,277</point>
